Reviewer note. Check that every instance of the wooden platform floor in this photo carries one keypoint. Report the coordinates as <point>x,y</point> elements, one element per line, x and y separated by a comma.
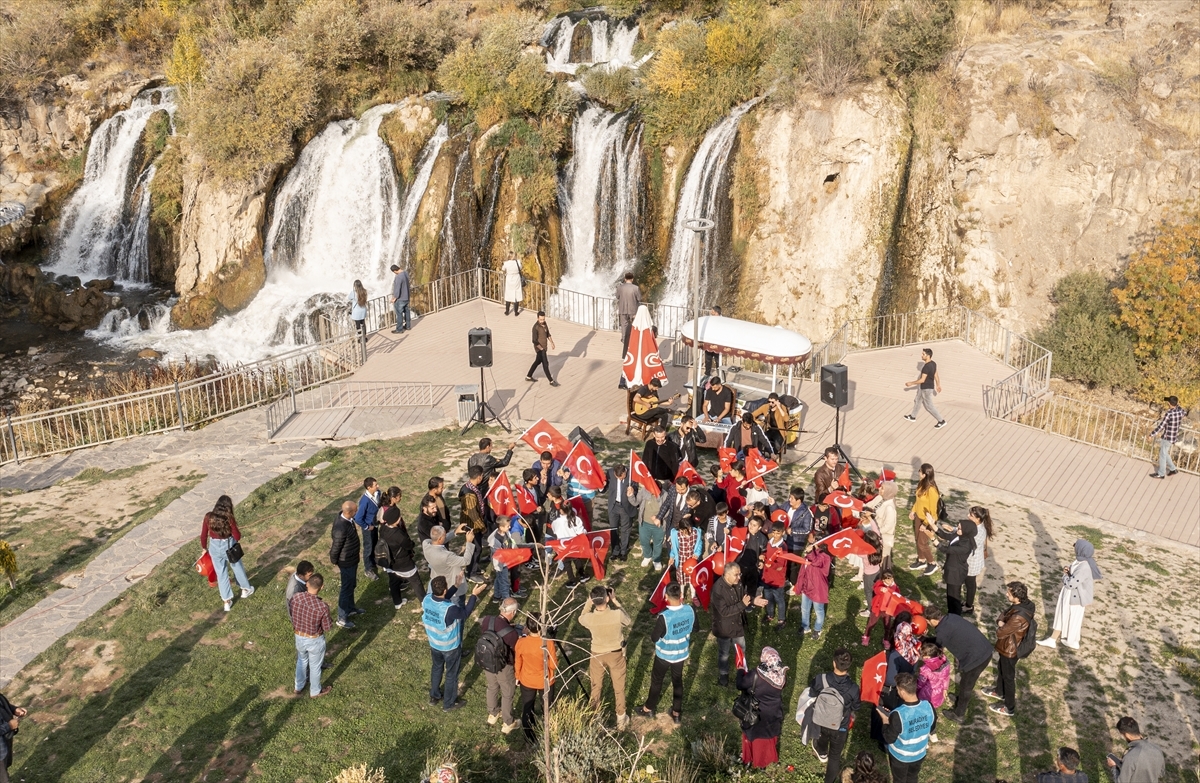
<point>1007,456</point>
<point>340,423</point>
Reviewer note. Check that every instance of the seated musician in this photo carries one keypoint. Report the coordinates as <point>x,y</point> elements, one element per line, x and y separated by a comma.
<point>646,407</point>
<point>777,422</point>
<point>748,435</point>
<point>718,403</point>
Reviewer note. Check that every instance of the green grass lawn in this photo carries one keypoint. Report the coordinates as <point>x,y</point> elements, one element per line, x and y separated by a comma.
<point>60,530</point>
<point>184,692</point>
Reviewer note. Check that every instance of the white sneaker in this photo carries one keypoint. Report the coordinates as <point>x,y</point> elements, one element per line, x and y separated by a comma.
<point>658,566</point>
<point>1070,646</point>
<point>645,562</point>
<point>228,605</point>
<point>622,722</point>
<point>933,738</point>
<point>1048,643</point>
<point>493,719</point>
<point>508,728</point>
<point>247,592</point>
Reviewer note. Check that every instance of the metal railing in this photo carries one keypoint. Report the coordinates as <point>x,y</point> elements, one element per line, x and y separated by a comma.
<point>348,394</point>
<point>177,406</point>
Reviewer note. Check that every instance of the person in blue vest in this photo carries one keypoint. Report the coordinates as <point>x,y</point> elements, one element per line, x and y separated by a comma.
<point>366,517</point>
<point>443,619</point>
<point>906,730</point>
<point>672,641</point>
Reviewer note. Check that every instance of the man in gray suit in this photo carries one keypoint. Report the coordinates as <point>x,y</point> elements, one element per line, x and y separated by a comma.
<point>629,296</point>
<point>621,511</point>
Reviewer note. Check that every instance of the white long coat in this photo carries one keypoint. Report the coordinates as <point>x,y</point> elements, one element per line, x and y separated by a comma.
<point>513,292</point>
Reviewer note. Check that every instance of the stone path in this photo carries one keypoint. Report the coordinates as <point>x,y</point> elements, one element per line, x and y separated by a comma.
<point>235,456</point>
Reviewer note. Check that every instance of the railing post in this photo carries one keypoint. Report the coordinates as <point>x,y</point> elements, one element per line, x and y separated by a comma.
<point>904,329</point>
<point>179,405</point>
<point>478,282</point>
<point>967,336</point>
<point>292,390</point>
<point>1007,345</point>
<point>12,437</point>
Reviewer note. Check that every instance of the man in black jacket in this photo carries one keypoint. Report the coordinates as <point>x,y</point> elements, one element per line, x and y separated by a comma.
<point>971,650</point>
<point>502,685</point>
<point>429,518</point>
<point>484,459</point>
<point>829,745</point>
<point>748,435</point>
<point>728,605</point>
<point>401,565</point>
<point>685,439</point>
<point>621,511</point>
<point>661,456</point>
<point>344,552</point>
<point>700,507</point>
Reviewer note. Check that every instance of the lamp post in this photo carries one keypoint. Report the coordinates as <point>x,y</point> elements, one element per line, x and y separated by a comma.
<point>701,226</point>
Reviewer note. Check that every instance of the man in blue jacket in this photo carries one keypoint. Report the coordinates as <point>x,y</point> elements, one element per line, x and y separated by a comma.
<point>367,520</point>
<point>443,619</point>
<point>672,642</point>
<point>906,730</point>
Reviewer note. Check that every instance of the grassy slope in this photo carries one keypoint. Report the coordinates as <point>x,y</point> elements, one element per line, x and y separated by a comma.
<point>198,695</point>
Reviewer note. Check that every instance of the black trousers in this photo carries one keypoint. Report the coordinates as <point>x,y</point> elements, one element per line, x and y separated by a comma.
<point>966,688</point>
<point>658,675</point>
<point>659,415</point>
<point>832,742</point>
<point>969,592</point>
<point>954,604</point>
<point>544,361</point>
<point>530,698</point>
<point>622,525</point>
<point>396,586</point>
<point>1006,681</point>
<point>904,771</point>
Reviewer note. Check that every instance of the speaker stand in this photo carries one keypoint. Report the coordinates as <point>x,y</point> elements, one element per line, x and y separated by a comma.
<point>837,437</point>
<point>483,412</point>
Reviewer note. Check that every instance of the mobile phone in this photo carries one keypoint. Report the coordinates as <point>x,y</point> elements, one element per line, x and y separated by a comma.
<point>884,711</point>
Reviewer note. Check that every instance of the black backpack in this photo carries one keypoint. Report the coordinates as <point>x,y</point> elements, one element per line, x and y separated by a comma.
<point>1029,641</point>
<point>941,509</point>
<point>745,707</point>
<point>491,653</point>
<point>383,554</point>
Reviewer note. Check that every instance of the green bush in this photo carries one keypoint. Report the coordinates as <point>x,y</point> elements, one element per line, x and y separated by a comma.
<point>826,45</point>
<point>614,88</point>
<point>328,33</point>
<point>915,36</point>
<point>1086,342</point>
<point>403,36</point>
<point>35,40</point>
<point>254,99</point>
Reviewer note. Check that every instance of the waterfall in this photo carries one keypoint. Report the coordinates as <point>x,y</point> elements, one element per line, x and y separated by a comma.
<point>705,194</point>
<point>612,44</point>
<point>458,222</point>
<point>337,217</point>
<point>489,212</point>
<point>100,224</point>
<point>598,199</point>
<point>416,192</point>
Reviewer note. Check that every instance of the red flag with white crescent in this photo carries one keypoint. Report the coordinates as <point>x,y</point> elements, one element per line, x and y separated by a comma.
<point>511,558</point>
<point>844,479</point>
<point>584,466</point>
<point>526,500</point>
<point>652,366</point>
<point>500,496</point>
<point>874,673</point>
<point>843,501</point>
<point>735,542</point>
<point>758,466</point>
<point>658,599</point>
<point>581,511</point>
<point>702,580</point>
<point>688,472</point>
<point>601,540</point>
<point>846,542</point>
<point>727,457</point>
<point>739,658</point>
<point>543,437</point>
<point>641,474</point>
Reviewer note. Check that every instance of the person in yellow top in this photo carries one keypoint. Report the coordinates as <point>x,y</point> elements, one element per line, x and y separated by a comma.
<point>777,422</point>
<point>530,671</point>
<point>924,517</point>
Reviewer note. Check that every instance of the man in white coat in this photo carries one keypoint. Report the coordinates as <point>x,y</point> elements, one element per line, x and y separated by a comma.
<point>514,286</point>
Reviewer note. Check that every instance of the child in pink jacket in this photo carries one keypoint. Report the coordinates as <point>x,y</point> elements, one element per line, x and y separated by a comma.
<point>933,678</point>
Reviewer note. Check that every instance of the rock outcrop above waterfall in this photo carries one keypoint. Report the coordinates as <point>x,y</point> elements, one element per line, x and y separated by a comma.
<point>43,138</point>
<point>220,245</point>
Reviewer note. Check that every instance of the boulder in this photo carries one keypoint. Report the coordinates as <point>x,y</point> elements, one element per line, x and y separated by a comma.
<point>149,353</point>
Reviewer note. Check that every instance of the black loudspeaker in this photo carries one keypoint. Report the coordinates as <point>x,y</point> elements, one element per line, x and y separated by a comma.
<point>479,346</point>
<point>579,433</point>
<point>834,386</point>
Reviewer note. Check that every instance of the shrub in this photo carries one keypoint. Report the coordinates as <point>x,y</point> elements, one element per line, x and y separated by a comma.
<point>8,564</point>
<point>916,35</point>
<point>1083,335</point>
<point>148,31</point>
<point>186,64</point>
<point>254,98</point>
<point>406,37</point>
<point>35,39</point>
<point>826,44</point>
<point>614,88</point>
<point>328,33</point>
<point>1177,373</point>
<point>359,773</point>
<point>1160,299</point>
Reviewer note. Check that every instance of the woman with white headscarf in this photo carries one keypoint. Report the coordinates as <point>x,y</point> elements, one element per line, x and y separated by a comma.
<point>514,285</point>
<point>885,520</point>
<point>1074,597</point>
<point>760,742</point>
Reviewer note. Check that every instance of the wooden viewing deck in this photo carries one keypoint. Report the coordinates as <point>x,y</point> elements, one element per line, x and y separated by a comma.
<point>999,454</point>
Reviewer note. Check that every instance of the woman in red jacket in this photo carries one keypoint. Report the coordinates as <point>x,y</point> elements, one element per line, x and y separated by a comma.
<point>813,587</point>
<point>218,533</point>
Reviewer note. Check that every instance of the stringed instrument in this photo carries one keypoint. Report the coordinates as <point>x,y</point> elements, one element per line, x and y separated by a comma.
<point>647,403</point>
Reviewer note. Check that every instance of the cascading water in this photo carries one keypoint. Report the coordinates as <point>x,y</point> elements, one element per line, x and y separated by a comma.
<point>705,194</point>
<point>412,202</point>
<point>456,241</point>
<point>102,233</point>
<point>489,212</point>
<point>612,44</point>
<point>337,217</point>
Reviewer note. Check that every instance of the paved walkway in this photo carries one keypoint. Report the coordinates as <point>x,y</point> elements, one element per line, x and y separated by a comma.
<point>236,458</point>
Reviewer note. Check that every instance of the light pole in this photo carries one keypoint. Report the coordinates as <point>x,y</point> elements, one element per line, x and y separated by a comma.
<point>701,226</point>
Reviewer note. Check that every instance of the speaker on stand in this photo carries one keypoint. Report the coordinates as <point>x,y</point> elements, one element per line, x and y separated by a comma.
<point>479,354</point>
<point>835,392</point>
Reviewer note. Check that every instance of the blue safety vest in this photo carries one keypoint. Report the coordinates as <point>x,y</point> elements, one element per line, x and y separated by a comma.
<point>673,646</point>
<point>915,721</point>
<point>441,637</point>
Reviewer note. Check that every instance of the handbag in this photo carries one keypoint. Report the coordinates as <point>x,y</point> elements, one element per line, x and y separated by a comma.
<point>235,552</point>
<point>745,707</point>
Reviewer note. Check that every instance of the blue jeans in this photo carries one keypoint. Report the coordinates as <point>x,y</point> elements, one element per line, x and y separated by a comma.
<point>805,604</point>
<point>776,597</point>
<point>447,661</point>
<point>724,649</point>
<point>346,594</point>
<point>310,655</point>
<point>369,536</point>
<point>652,541</point>
<point>1165,463</point>
<point>403,317</point>
<point>218,550</point>
<point>502,584</point>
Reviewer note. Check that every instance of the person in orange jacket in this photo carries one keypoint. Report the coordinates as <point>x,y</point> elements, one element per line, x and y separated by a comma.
<point>534,666</point>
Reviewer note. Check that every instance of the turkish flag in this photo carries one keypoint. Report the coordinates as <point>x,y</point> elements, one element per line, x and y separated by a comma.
<point>727,457</point>
<point>758,466</point>
<point>543,437</point>
<point>581,512</point>
<point>735,542</point>
<point>779,515</point>
<point>601,540</point>
<point>526,500</point>
<point>703,577</point>
<point>843,501</point>
<point>584,466</point>
<point>511,558</point>
<point>500,496</point>
<point>658,599</point>
<point>886,475</point>
<point>846,542</point>
<point>204,567</point>
<point>579,548</point>
<point>642,362</point>
<point>641,474</point>
<point>874,673</point>
<point>739,658</point>
<point>844,479</point>
<point>687,471</point>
